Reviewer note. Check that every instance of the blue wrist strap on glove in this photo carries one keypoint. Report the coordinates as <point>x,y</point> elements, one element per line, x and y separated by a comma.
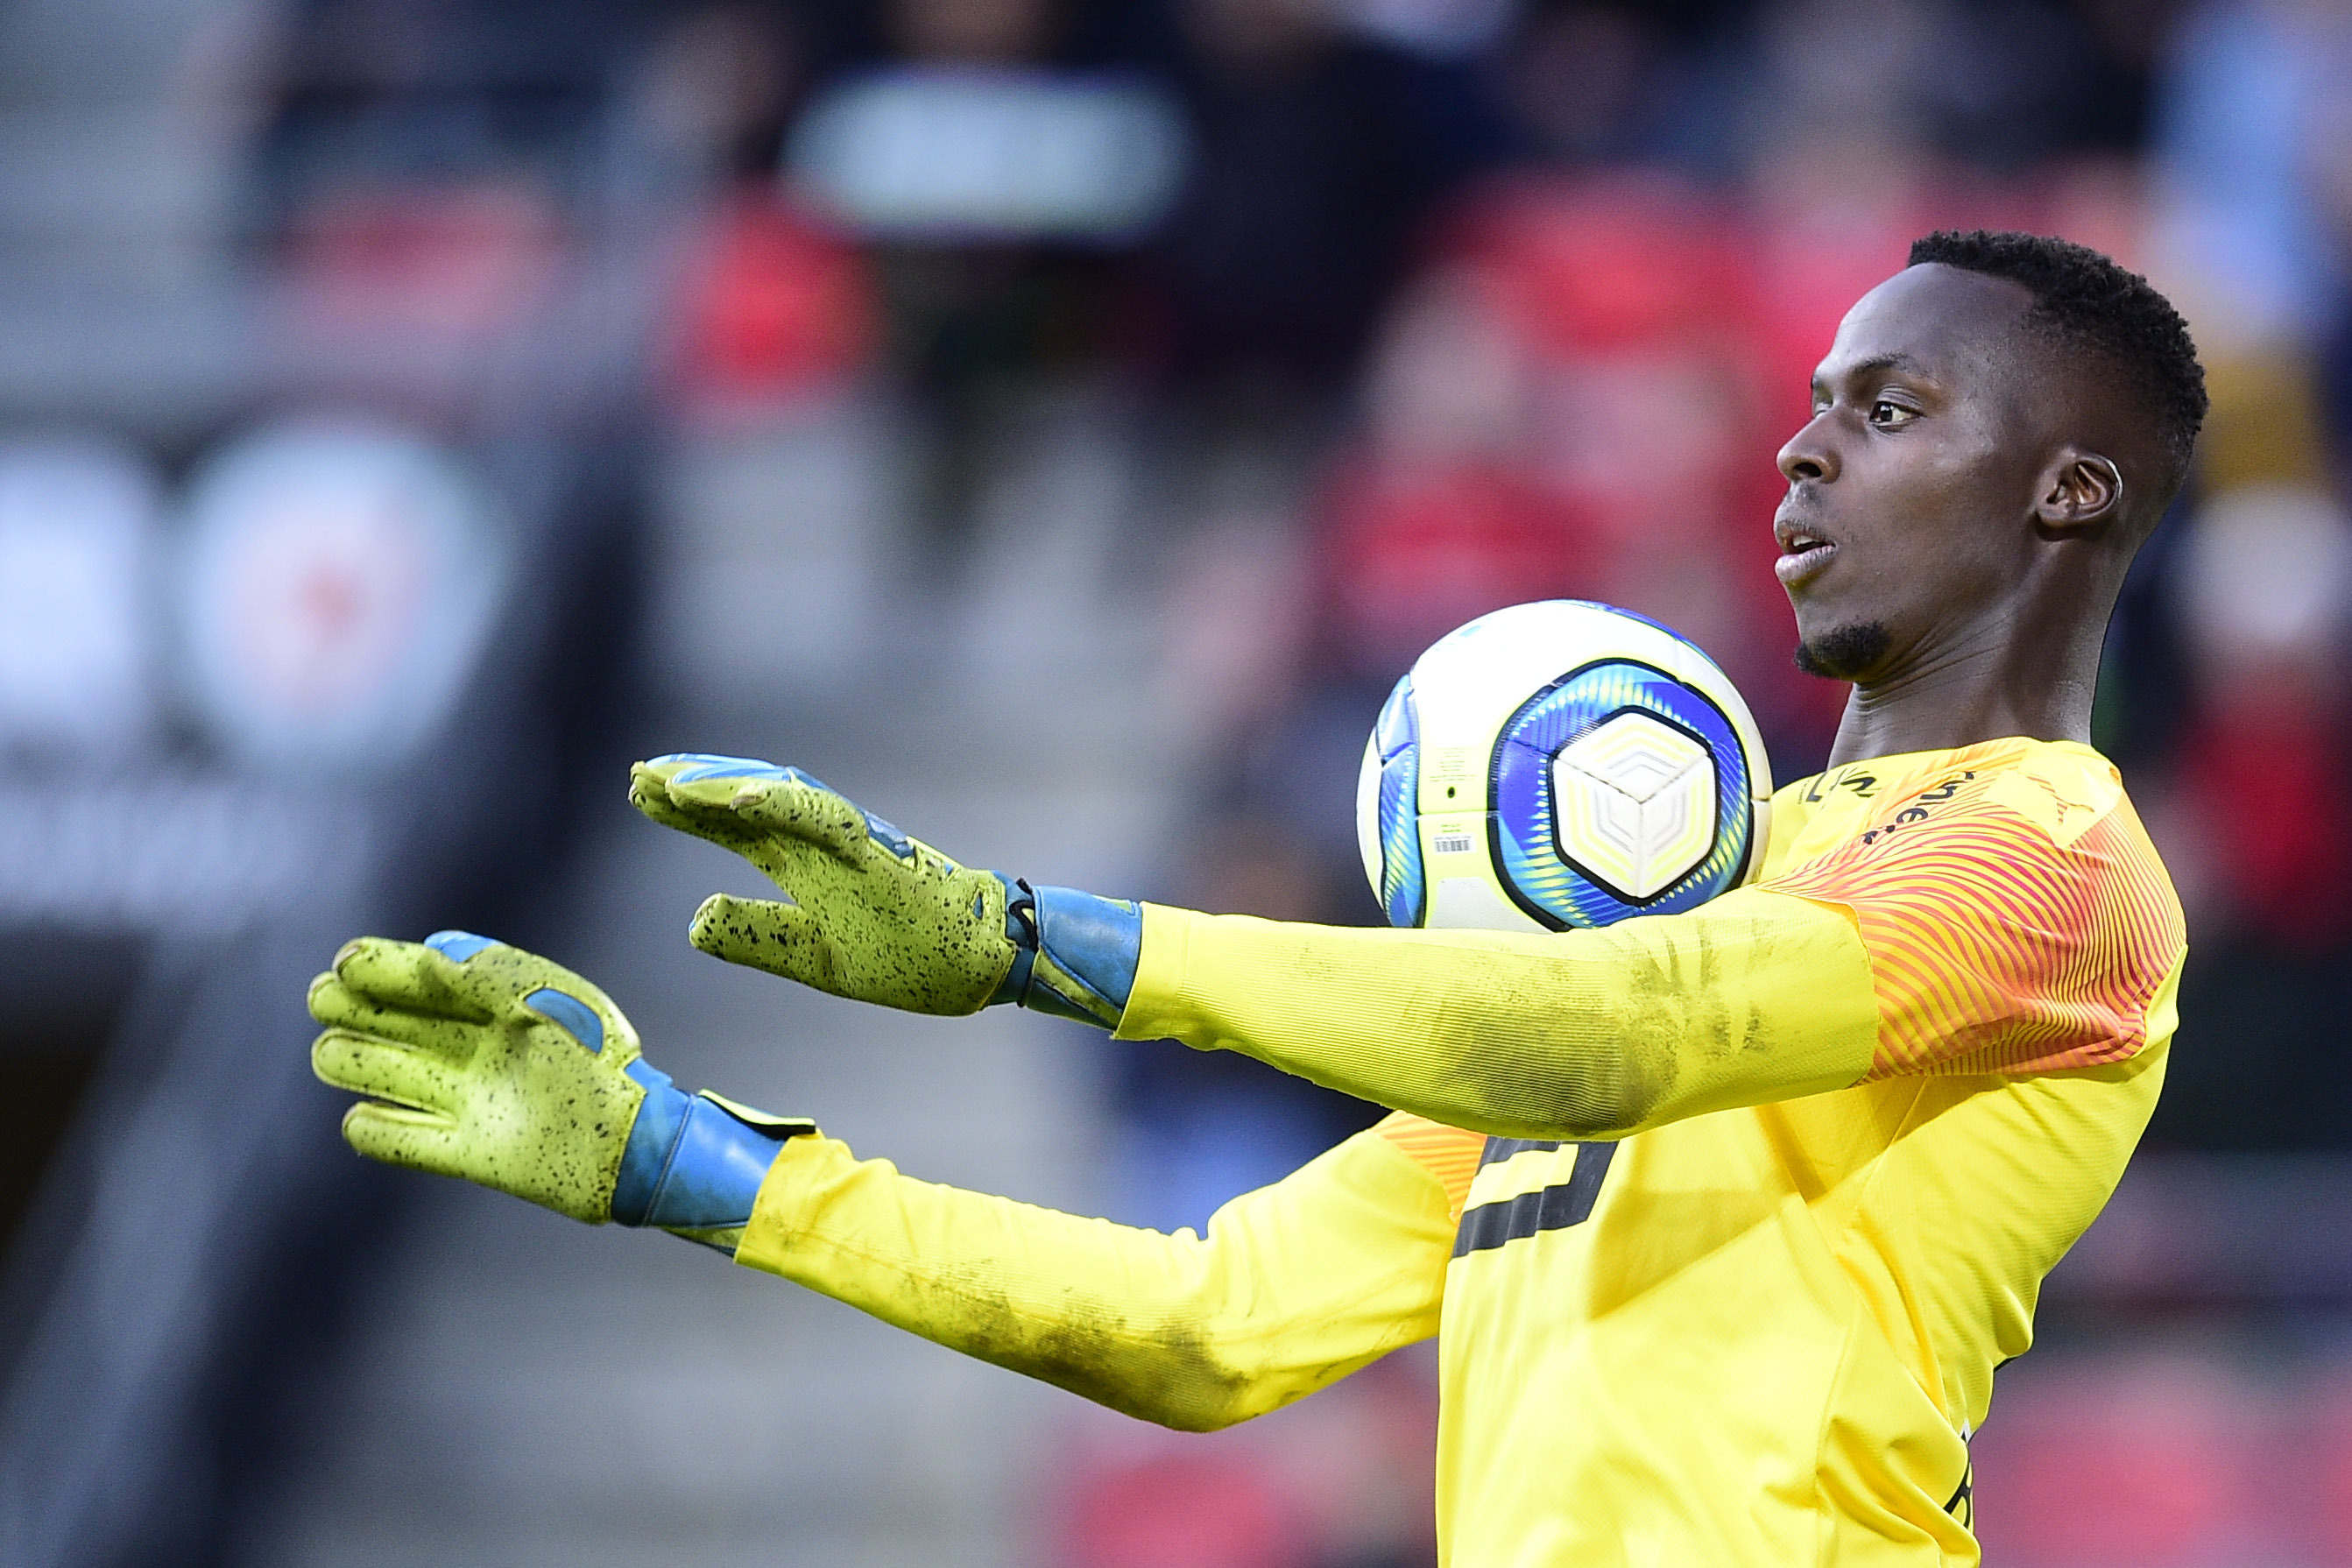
<point>1076,953</point>
<point>695,1162</point>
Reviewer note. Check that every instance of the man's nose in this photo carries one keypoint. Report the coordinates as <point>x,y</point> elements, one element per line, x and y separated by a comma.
<point>1809,454</point>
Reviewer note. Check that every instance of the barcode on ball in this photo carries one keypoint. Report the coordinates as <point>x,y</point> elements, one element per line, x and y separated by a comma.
<point>1451,844</point>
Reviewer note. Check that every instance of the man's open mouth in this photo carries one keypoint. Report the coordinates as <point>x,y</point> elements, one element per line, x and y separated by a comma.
<point>1802,554</point>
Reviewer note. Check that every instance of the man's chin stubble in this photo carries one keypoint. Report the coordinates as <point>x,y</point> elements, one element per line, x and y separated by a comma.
<point>1845,653</point>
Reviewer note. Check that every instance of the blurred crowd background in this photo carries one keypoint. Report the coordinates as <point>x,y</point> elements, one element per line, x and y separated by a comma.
<point>1058,422</point>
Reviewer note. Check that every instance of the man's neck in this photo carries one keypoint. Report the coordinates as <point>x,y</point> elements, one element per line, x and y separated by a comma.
<point>1982,689</point>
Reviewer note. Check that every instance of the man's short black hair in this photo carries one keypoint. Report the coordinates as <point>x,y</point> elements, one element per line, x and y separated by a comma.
<point>2087,301</point>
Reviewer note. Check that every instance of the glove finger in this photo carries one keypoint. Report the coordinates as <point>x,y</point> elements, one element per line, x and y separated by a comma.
<point>413,977</point>
<point>762,934</point>
<point>649,793</point>
<point>416,1139</point>
<point>338,1006</point>
<point>424,1080</point>
<point>806,810</point>
<point>701,787</point>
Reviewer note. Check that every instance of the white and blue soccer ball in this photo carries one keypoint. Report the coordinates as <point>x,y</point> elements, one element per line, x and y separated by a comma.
<point>1556,764</point>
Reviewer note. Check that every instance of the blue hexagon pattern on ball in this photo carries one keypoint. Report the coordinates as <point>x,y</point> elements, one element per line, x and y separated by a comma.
<point>1556,764</point>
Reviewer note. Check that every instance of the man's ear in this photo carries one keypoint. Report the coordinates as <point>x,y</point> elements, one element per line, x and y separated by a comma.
<point>2081,492</point>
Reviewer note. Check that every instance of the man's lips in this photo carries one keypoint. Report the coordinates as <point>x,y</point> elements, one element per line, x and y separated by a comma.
<point>1805,554</point>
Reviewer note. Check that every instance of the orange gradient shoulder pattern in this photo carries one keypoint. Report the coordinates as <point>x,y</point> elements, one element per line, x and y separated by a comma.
<point>1446,1152</point>
<point>2016,918</point>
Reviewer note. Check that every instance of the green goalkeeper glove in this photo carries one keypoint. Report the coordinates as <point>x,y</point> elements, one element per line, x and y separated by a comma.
<point>483,1061</point>
<point>876,915</point>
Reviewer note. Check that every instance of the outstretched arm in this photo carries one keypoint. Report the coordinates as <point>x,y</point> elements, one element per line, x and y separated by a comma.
<point>483,1061</point>
<point>1582,1034</point>
<point>1293,1286</point>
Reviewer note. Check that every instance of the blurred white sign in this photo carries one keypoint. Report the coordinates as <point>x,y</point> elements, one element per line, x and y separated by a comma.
<point>339,579</point>
<point>190,855</point>
<point>974,153</point>
<point>78,521</point>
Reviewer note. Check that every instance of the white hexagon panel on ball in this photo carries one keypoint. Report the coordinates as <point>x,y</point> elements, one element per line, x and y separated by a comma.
<point>1634,803</point>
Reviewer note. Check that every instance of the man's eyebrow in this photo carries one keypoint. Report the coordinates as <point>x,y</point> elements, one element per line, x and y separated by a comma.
<point>1876,362</point>
<point>1905,363</point>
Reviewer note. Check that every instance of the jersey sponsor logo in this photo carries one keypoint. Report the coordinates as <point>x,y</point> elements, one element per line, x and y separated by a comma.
<point>1555,1207</point>
<point>1918,811</point>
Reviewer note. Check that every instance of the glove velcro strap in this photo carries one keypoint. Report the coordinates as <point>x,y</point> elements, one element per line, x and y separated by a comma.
<point>709,1174</point>
<point>1080,959</point>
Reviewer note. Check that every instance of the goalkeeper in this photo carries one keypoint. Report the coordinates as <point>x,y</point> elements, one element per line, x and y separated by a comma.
<point>1727,1217</point>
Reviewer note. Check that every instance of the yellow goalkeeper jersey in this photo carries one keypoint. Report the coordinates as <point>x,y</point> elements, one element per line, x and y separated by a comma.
<point>1726,1218</point>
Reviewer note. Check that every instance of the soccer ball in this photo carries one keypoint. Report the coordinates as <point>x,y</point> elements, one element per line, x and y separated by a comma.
<point>1560,764</point>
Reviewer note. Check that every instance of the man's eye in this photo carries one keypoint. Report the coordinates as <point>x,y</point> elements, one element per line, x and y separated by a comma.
<point>1889,416</point>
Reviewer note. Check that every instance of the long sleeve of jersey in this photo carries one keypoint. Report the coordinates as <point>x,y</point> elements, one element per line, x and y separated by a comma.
<point>1997,909</point>
<point>1293,1287</point>
<point>1585,1034</point>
